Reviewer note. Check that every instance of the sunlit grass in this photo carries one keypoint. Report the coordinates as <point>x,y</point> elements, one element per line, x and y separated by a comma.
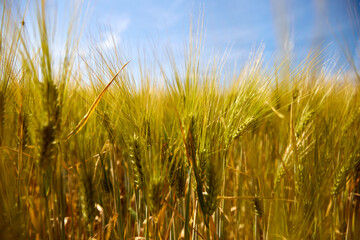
<point>192,153</point>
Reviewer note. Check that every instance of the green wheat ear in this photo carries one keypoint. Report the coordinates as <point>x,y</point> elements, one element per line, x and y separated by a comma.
<point>304,121</point>
<point>343,174</point>
<point>47,149</point>
<point>257,202</point>
<point>177,174</point>
<point>155,194</point>
<point>258,206</point>
<point>213,187</point>
<point>246,126</point>
<point>136,159</point>
<point>180,186</point>
<point>280,173</point>
<point>87,196</point>
<point>105,176</point>
<point>355,115</point>
<point>50,130</point>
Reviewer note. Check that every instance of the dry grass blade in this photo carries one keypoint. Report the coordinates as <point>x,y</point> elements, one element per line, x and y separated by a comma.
<point>111,221</point>
<point>182,218</point>
<point>83,121</point>
<point>253,197</point>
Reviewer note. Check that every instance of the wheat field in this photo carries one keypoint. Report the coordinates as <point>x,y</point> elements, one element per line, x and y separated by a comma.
<point>195,152</point>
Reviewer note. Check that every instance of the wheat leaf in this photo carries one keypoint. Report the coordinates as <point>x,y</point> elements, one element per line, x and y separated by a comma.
<point>83,121</point>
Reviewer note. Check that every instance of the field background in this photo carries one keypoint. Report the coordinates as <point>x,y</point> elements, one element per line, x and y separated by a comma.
<point>89,149</point>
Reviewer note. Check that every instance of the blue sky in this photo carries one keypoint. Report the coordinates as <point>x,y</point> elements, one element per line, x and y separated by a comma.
<point>238,27</point>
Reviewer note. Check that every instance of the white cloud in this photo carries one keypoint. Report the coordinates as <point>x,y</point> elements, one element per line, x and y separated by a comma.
<point>117,26</point>
<point>120,24</point>
<point>117,23</point>
<point>109,41</point>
